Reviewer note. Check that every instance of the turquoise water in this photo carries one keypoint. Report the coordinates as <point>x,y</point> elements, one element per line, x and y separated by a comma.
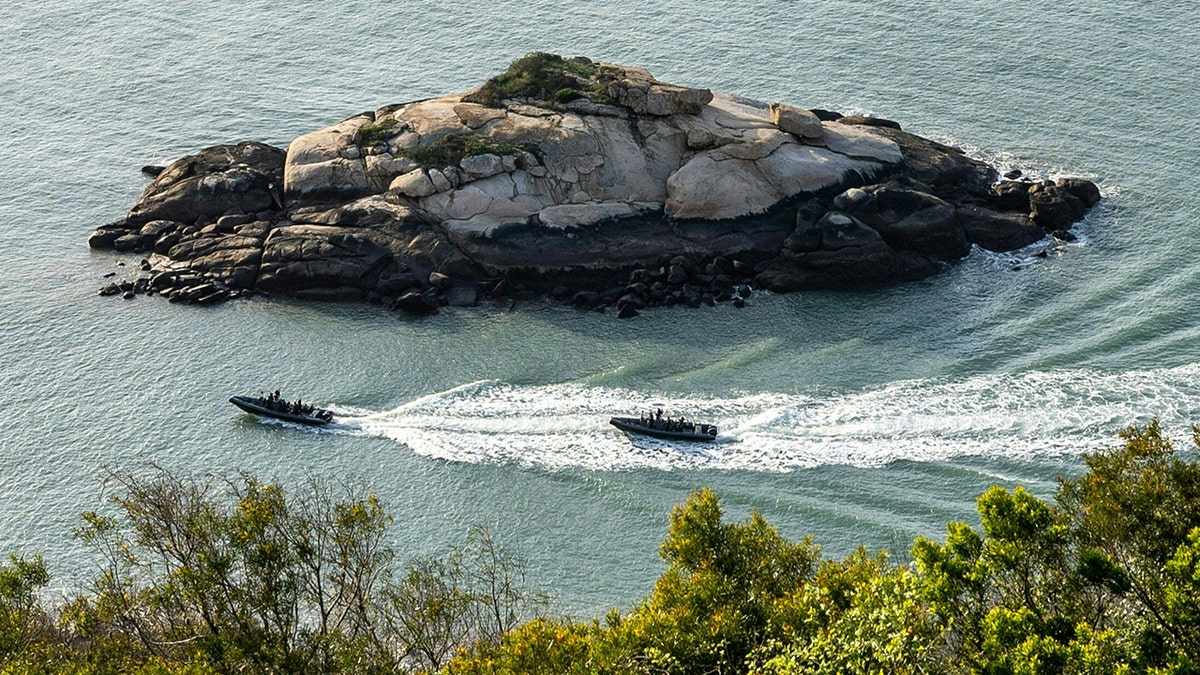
<point>858,417</point>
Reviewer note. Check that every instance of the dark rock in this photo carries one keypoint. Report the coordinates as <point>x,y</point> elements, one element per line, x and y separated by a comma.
<point>826,115</point>
<point>162,280</point>
<point>232,258</point>
<point>243,177</point>
<point>638,289</point>
<point>153,170</point>
<point>154,230</point>
<point>1014,174</point>
<point>627,312</point>
<point>1010,196</point>
<point>640,276</point>
<point>560,291</point>
<point>870,121</point>
<point>943,171</point>
<point>586,299</point>
<point>127,242</point>
<point>744,291</point>
<point>1084,190</point>
<point>416,302</point>
<point>739,302</point>
<point>610,296</point>
<point>1054,209</point>
<point>167,242</point>
<point>229,221</point>
<point>110,289</point>
<point>303,257</point>
<point>839,230</point>
<point>106,237</point>
<point>721,283</point>
<point>1064,235</point>
<point>932,229</point>
<point>630,300</point>
<point>805,238</point>
<point>677,275</point>
<point>998,231</point>
<point>853,200</point>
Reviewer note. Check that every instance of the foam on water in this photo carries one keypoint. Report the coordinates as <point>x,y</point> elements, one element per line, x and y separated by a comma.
<point>1026,416</point>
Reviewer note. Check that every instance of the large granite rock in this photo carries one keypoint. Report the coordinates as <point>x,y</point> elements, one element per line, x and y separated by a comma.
<point>602,176</point>
<point>246,177</point>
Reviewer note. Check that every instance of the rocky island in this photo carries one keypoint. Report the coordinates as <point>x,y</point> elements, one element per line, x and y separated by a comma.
<point>591,183</point>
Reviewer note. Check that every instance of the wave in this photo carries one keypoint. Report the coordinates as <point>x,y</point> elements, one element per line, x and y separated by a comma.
<point>1026,416</point>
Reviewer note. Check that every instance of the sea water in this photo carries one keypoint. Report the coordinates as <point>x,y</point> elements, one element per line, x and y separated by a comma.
<point>862,418</point>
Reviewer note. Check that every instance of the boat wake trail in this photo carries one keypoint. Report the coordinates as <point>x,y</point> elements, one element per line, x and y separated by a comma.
<point>558,426</point>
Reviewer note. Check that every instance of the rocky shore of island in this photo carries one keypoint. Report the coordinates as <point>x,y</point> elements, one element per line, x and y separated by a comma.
<point>589,183</point>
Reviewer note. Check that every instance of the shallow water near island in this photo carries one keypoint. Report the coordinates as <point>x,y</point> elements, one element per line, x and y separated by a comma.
<point>862,418</point>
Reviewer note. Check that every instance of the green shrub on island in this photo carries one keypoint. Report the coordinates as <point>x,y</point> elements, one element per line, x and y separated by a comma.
<point>543,77</point>
<point>240,576</point>
<point>452,149</point>
<point>374,133</point>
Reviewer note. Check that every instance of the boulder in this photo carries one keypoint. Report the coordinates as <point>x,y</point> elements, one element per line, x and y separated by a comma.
<point>415,183</point>
<point>796,121</point>
<point>998,232</point>
<point>839,231</point>
<point>1082,189</point>
<point>246,177</point>
<point>106,237</point>
<point>1010,195</point>
<point>1054,208</point>
<point>933,230</point>
<point>416,302</point>
<point>482,166</point>
<point>127,242</point>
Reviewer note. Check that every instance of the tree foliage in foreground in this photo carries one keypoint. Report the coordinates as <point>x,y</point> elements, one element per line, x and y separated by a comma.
<point>1104,580</point>
<point>225,576</point>
<point>202,576</point>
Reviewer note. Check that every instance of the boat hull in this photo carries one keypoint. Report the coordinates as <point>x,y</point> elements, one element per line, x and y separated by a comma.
<point>252,406</point>
<point>634,426</point>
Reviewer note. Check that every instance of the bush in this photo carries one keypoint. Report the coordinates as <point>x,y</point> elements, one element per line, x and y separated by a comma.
<point>23,622</point>
<point>450,150</point>
<point>545,77</point>
<point>377,132</point>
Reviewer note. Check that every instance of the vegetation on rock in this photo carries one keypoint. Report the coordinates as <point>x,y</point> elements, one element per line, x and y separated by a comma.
<point>240,576</point>
<point>377,132</point>
<point>452,149</point>
<point>544,78</point>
